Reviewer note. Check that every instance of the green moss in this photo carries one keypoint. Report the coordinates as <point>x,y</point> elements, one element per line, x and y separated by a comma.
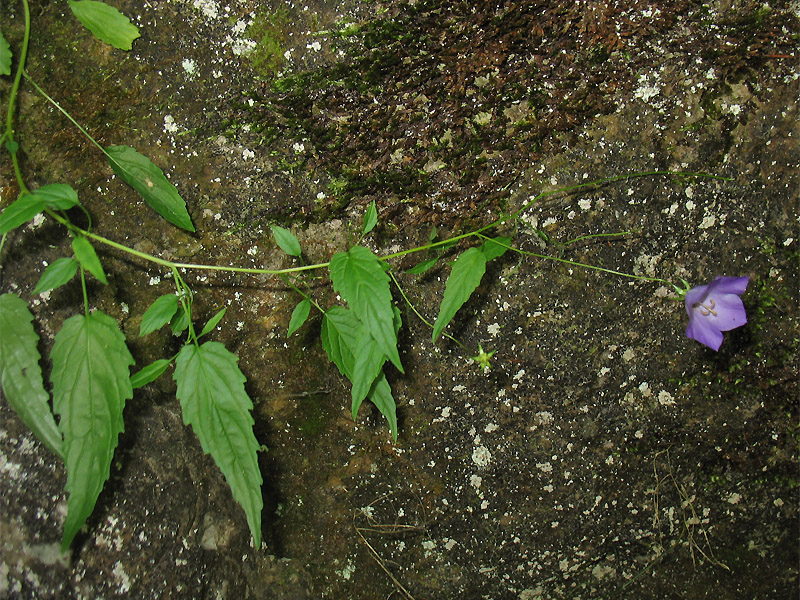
<point>269,33</point>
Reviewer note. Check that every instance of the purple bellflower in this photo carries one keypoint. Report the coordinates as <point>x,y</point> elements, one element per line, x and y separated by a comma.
<point>714,308</point>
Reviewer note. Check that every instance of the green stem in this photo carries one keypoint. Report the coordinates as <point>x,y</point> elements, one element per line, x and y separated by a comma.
<point>572,188</point>
<point>286,280</point>
<point>12,98</point>
<point>85,294</point>
<point>66,114</point>
<point>186,298</point>
<point>419,315</point>
<point>179,265</point>
<point>583,265</point>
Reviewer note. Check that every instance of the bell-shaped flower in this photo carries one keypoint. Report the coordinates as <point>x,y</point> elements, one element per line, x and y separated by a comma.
<point>714,308</point>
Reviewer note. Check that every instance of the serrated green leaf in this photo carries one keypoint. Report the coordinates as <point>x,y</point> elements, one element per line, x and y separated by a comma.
<point>149,373</point>
<point>158,314</point>
<point>57,195</point>
<point>367,364</point>
<point>5,56</point>
<point>142,175</point>
<point>464,277</point>
<point>420,268</point>
<point>359,276</point>
<point>91,381</point>
<point>57,273</point>
<point>179,322</point>
<point>286,240</point>
<point>212,322</point>
<point>381,396</point>
<point>86,255</point>
<point>299,316</point>
<point>214,402</point>
<point>105,22</point>
<point>495,247</point>
<point>20,374</point>
<point>370,218</point>
<point>340,331</point>
<point>22,210</point>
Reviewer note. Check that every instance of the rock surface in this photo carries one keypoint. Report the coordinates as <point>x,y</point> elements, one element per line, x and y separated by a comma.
<point>604,455</point>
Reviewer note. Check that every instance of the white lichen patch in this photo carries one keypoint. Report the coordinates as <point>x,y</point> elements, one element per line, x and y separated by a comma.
<point>481,456</point>
<point>189,66</point>
<point>209,8</point>
<point>665,398</point>
<point>169,124</point>
<point>646,91</point>
<point>121,577</point>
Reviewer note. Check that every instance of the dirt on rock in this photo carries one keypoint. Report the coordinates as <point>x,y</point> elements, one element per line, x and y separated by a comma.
<point>603,455</point>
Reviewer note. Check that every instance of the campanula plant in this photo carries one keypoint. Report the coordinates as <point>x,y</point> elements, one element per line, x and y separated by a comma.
<point>80,421</point>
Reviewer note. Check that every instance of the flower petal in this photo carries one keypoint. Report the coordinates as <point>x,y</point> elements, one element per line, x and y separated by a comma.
<point>729,310</point>
<point>694,296</point>
<point>703,331</point>
<point>728,285</point>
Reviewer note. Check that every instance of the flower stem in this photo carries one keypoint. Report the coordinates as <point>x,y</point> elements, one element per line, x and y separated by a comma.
<point>580,264</point>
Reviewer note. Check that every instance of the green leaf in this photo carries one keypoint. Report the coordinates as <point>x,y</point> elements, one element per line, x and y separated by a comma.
<point>105,22</point>
<point>367,364</point>
<point>349,346</point>
<point>359,276</point>
<point>5,56</point>
<point>86,255</point>
<point>180,322</point>
<point>340,332</point>
<point>212,322</point>
<point>149,373</point>
<point>370,218</point>
<point>158,314</point>
<point>286,240</point>
<point>495,247</point>
<point>91,381</point>
<point>20,374</point>
<point>22,210</point>
<point>299,316</point>
<point>464,277</point>
<point>57,273</point>
<point>214,402</point>
<point>57,195</point>
<point>146,178</point>
<point>381,396</point>
<point>423,266</point>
